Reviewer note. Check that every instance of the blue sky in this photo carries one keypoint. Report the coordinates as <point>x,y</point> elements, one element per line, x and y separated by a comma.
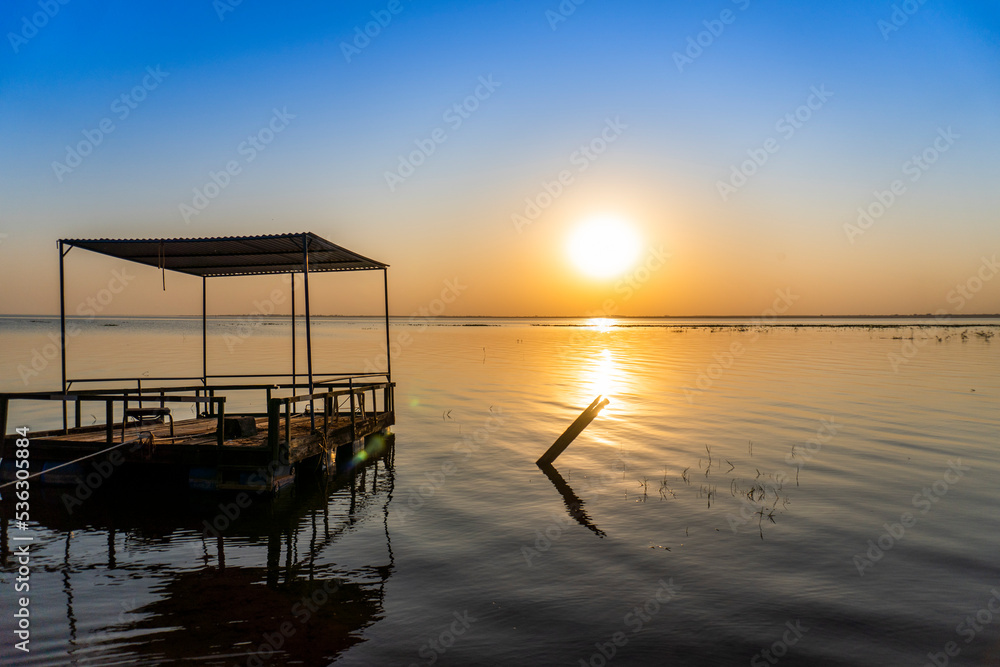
<point>226,70</point>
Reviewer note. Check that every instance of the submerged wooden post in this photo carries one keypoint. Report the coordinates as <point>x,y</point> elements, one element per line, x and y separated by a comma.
<point>581,422</point>
<point>327,409</point>
<point>220,428</point>
<point>4,406</point>
<point>273,426</point>
<point>288,423</point>
<point>354,426</point>
<point>110,419</point>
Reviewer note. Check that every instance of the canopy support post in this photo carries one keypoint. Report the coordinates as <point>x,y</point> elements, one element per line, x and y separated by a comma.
<point>204,331</point>
<point>62,328</point>
<point>309,350</point>
<point>388,356</point>
<point>294,376</point>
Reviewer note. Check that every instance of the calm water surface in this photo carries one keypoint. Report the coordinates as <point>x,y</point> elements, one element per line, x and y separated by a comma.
<point>825,494</point>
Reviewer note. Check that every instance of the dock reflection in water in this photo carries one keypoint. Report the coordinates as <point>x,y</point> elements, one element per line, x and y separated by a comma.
<point>204,595</point>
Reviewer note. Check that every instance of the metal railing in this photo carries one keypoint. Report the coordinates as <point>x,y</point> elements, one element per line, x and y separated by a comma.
<point>110,399</point>
<point>331,398</point>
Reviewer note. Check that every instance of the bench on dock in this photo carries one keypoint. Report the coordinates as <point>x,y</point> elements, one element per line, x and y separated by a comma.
<point>142,415</point>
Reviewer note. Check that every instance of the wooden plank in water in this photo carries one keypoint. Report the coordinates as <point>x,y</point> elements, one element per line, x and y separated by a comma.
<point>581,422</point>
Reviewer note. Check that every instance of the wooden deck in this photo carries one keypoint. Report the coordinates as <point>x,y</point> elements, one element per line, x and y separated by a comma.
<point>238,463</point>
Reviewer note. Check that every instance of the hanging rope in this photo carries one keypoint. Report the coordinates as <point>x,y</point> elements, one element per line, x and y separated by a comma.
<point>82,458</point>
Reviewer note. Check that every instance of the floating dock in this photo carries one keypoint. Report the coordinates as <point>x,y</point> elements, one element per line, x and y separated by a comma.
<point>322,428</point>
<point>215,452</point>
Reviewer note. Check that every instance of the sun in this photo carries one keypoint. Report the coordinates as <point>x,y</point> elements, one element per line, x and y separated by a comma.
<point>604,247</point>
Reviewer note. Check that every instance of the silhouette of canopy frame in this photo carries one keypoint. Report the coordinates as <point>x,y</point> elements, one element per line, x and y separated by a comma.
<point>303,253</point>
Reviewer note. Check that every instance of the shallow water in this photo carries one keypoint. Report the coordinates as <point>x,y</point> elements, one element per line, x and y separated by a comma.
<point>745,490</point>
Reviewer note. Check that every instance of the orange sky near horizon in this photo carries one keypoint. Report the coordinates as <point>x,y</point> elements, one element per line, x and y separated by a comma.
<point>689,272</point>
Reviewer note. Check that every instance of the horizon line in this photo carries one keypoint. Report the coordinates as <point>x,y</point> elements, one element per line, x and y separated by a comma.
<point>522,317</point>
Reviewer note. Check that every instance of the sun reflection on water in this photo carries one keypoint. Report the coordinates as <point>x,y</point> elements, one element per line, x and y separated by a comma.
<point>601,324</point>
<point>601,375</point>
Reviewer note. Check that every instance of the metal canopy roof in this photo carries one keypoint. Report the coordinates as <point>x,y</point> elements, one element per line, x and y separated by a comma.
<point>233,255</point>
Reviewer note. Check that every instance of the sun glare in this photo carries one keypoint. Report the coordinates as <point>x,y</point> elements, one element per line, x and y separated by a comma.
<point>601,374</point>
<point>604,247</point>
<point>601,324</point>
